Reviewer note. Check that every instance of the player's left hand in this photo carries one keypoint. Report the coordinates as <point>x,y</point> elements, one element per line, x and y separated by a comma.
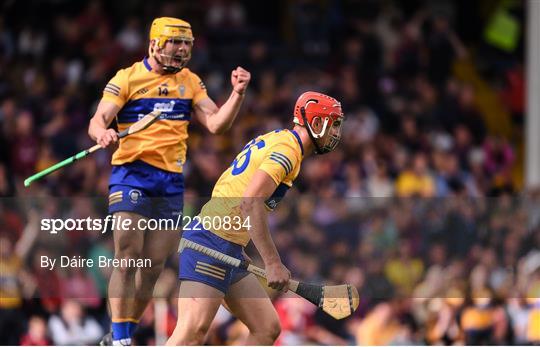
<point>240,79</point>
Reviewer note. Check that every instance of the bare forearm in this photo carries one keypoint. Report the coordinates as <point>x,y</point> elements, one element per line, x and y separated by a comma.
<point>459,48</point>
<point>259,232</point>
<point>29,235</point>
<point>224,117</point>
<point>97,125</point>
<point>105,113</point>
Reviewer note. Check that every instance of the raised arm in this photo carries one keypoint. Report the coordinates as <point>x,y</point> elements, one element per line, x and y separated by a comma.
<point>218,120</point>
<point>29,235</point>
<point>261,188</point>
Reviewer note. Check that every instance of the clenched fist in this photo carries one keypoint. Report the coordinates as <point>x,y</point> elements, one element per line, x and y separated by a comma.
<point>277,276</point>
<point>240,80</point>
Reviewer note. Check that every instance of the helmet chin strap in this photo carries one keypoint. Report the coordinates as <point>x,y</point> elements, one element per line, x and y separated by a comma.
<point>318,149</point>
<point>166,68</point>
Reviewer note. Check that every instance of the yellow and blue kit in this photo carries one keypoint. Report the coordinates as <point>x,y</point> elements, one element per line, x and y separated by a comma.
<point>279,154</point>
<point>147,166</point>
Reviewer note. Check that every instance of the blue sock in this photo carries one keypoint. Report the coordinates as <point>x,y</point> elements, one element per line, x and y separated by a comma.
<point>123,330</point>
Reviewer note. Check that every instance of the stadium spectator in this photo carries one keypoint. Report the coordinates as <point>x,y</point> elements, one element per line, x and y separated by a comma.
<point>416,181</point>
<point>73,327</point>
<point>37,333</point>
<point>417,137</point>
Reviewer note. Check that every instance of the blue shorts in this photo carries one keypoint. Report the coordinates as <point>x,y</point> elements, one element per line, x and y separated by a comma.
<point>146,190</point>
<point>198,267</point>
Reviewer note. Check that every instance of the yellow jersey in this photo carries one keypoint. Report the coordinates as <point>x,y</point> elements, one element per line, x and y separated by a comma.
<point>10,291</point>
<point>279,154</point>
<point>138,91</point>
<point>477,318</point>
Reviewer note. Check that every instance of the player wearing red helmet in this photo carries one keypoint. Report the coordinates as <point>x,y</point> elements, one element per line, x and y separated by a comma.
<point>313,106</point>
<point>255,182</point>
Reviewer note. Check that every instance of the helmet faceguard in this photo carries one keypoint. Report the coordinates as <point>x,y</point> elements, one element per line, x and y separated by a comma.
<point>312,106</point>
<point>171,42</point>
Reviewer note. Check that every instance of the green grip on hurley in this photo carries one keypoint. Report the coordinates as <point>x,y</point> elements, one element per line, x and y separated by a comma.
<point>56,166</point>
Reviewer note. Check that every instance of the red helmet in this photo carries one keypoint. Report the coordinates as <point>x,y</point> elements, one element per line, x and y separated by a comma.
<point>311,105</point>
<point>316,104</point>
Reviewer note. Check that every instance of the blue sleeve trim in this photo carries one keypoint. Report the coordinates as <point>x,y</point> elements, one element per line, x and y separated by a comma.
<point>284,158</point>
<point>280,162</point>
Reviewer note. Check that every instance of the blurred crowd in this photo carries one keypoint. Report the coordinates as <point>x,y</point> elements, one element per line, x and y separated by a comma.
<point>421,207</point>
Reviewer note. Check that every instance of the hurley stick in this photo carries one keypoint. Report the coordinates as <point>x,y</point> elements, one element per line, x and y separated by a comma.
<point>141,124</point>
<point>338,301</point>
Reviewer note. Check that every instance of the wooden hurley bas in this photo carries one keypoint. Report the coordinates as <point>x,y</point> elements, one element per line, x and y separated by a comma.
<point>338,301</point>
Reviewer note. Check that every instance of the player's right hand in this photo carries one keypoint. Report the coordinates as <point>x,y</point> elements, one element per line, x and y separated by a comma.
<point>106,137</point>
<point>277,276</point>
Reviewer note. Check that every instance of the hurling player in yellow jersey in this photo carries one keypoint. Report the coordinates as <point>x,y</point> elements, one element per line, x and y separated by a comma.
<point>255,182</point>
<point>146,180</point>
